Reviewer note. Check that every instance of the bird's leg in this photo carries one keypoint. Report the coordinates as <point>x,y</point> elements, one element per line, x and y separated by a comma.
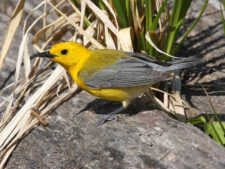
<point>110,116</point>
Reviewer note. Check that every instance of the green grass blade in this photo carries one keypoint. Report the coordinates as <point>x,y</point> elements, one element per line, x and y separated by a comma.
<point>156,19</point>
<point>217,118</point>
<point>101,5</point>
<point>179,11</point>
<point>192,26</point>
<point>148,22</point>
<point>120,7</point>
<point>128,10</point>
<point>197,120</point>
<point>142,41</point>
<point>148,15</point>
<point>210,129</point>
<point>185,6</point>
<point>213,109</point>
<point>172,25</point>
<point>76,3</point>
<point>214,129</point>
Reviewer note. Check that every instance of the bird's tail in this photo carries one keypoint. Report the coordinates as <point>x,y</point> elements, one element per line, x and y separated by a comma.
<point>183,63</point>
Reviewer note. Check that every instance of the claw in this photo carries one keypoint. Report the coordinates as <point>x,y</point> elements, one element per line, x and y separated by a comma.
<point>109,116</point>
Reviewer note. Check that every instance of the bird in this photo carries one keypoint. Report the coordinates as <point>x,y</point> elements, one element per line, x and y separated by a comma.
<point>110,74</point>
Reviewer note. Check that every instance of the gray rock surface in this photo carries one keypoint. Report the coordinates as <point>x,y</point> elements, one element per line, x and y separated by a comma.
<point>142,137</point>
<point>149,139</point>
<point>207,40</point>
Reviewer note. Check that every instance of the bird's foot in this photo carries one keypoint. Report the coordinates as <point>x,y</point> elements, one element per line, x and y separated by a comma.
<point>108,117</point>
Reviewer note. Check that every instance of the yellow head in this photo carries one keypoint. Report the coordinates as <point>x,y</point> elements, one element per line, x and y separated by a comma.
<point>66,53</point>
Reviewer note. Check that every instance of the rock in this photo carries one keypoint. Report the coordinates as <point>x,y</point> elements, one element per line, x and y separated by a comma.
<point>207,39</point>
<point>149,139</point>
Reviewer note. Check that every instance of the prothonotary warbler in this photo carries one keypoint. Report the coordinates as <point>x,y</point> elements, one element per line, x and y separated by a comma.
<point>112,74</point>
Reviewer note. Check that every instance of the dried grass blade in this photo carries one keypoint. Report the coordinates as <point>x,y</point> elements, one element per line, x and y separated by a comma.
<point>125,39</point>
<point>6,114</point>
<point>6,156</point>
<point>31,122</point>
<point>10,110</point>
<point>115,19</point>
<point>102,16</point>
<point>6,132</point>
<point>21,50</point>
<point>155,47</point>
<point>48,30</point>
<point>78,12</point>
<point>81,31</point>
<point>136,18</point>
<point>155,100</point>
<point>108,38</point>
<point>91,31</point>
<point>26,59</point>
<point>12,26</point>
<point>83,8</point>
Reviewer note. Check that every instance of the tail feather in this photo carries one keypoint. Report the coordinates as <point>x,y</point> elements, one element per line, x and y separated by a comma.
<point>177,64</point>
<point>183,63</point>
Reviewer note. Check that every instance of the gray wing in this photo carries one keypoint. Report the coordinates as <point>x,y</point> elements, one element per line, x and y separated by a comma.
<point>147,58</point>
<point>127,72</point>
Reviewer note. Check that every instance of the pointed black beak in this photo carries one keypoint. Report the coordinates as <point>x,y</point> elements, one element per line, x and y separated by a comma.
<point>46,54</point>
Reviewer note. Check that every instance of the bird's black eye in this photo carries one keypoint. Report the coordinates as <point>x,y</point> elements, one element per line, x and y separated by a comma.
<point>64,51</point>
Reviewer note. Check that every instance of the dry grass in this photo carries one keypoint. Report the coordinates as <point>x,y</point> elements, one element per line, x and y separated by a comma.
<point>43,91</point>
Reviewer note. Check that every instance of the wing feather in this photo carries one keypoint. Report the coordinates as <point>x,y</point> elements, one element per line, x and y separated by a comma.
<point>126,72</point>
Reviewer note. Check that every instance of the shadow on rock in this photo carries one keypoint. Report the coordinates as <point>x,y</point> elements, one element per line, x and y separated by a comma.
<point>103,107</point>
